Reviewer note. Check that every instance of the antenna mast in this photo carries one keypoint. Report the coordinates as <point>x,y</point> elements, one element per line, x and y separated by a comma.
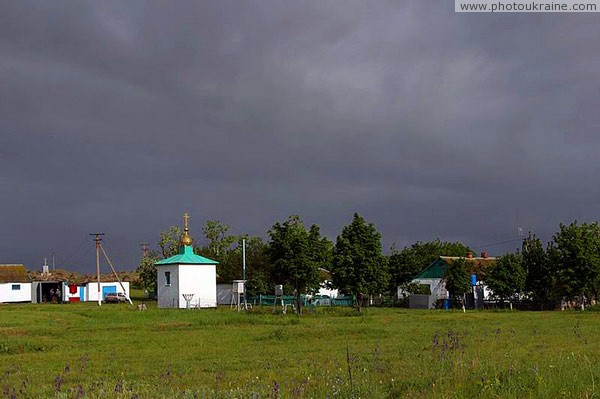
<point>244,271</point>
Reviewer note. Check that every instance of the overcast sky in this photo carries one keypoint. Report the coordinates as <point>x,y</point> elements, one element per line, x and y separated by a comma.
<point>118,117</point>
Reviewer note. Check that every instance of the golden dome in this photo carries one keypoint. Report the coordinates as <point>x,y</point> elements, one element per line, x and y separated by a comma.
<point>185,238</point>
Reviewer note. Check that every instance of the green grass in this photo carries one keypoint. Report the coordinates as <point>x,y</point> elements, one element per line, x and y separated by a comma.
<point>81,350</point>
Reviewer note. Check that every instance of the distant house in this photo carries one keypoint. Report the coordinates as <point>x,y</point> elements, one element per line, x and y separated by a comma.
<point>62,286</point>
<point>186,279</point>
<point>433,277</point>
<point>15,285</point>
<point>89,291</point>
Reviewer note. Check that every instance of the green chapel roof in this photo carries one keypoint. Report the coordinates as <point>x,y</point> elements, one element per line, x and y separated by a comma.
<point>186,256</point>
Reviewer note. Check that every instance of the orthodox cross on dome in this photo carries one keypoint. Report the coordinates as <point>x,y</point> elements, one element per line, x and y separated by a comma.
<point>185,238</point>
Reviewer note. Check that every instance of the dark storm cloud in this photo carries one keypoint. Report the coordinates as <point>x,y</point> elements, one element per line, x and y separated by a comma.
<point>119,117</point>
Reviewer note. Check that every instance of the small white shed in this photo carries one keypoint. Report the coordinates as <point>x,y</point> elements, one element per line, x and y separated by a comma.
<point>187,275</point>
<point>15,285</point>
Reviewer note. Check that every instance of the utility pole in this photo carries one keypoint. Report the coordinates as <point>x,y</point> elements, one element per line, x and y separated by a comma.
<point>145,249</point>
<point>98,238</point>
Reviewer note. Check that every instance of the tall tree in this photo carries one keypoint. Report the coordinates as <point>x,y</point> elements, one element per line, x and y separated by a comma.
<point>219,242</point>
<point>404,265</point>
<point>321,248</point>
<point>507,277</point>
<point>293,263</point>
<point>457,280</point>
<point>576,253</point>
<point>170,241</point>
<point>219,247</point>
<point>147,271</point>
<point>359,267</point>
<point>259,272</point>
<point>541,276</point>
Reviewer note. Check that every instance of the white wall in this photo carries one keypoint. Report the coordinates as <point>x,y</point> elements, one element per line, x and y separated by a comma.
<point>208,286</point>
<point>23,294</point>
<point>91,289</point>
<point>168,296</point>
<point>200,280</point>
<point>67,294</point>
<point>326,291</point>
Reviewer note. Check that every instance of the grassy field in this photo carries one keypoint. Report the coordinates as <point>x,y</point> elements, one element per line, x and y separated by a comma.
<point>80,350</point>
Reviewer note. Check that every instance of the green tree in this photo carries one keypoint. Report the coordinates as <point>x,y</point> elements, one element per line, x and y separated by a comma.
<point>321,249</point>
<point>219,242</point>
<point>258,267</point>
<point>359,267</point>
<point>457,279</point>
<point>259,279</point>
<point>404,265</point>
<point>541,276</point>
<point>170,241</point>
<point>293,263</point>
<point>507,278</point>
<point>147,271</point>
<point>219,247</point>
<point>576,253</point>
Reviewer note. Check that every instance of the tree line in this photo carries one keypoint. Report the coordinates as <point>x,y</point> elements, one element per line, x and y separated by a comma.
<point>301,259</point>
<point>566,270</point>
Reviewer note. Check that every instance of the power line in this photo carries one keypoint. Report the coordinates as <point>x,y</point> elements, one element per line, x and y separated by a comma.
<point>68,258</point>
<point>499,243</point>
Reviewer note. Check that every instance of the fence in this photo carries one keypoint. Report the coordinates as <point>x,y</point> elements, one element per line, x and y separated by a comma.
<point>269,300</point>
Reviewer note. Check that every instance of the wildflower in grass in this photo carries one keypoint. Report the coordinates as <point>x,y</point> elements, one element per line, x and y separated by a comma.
<point>119,386</point>
<point>83,361</point>
<point>24,385</point>
<point>275,390</point>
<point>58,382</point>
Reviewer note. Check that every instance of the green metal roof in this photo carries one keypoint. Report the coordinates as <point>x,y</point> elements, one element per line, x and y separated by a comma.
<point>435,270</point>
<point>187,256</point>
<point>438,268</point>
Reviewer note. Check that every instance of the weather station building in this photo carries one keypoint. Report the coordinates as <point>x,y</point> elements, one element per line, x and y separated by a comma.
<point>187,280</point>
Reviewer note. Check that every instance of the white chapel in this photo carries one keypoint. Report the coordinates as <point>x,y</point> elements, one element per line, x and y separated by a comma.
<point>187,280</point>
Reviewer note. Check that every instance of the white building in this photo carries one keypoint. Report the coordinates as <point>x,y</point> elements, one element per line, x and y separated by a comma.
<point>433,278</point>
<point>15,285</point>
<point>90,290</point>
<point>187,275</point>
